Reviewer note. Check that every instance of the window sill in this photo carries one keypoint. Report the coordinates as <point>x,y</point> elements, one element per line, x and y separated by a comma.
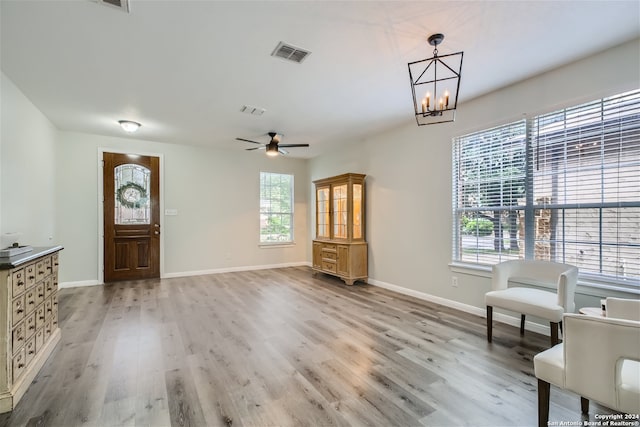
<point>276,245</point>
<point>587,286</point>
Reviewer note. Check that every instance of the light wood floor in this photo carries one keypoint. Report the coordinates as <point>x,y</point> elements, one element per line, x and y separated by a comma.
<point>280,348</point>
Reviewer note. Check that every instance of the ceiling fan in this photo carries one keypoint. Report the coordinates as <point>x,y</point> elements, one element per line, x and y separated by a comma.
<point>273,147</point>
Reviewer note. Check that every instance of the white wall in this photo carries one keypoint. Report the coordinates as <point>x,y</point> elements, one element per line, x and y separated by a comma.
<point>409,209</point>
<point>27,169</point>
<point>216,193</point>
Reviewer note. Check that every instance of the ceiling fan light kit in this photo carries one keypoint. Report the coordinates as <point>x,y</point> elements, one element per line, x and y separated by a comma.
<point>273,147</point>
<point>435,83</point>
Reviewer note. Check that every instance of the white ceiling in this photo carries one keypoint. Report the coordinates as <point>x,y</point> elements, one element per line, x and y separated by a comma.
<point>184,68</point>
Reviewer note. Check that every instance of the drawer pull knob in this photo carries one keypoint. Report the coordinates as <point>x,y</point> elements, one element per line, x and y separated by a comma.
<point>32,277</point>
<point>40,295</point>
<point>48,267</point>
<point>31,327</point>
<point>18,311</point>
<point>55,303</point>
<point>20,365</point>
<point>31,351</point>
<point>41,317</point>
<point>31,302</point>
<point>48,310</point>
<point>20,338</point>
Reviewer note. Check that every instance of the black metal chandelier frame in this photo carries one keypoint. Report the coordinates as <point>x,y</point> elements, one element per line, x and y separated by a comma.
<point>442,110</point>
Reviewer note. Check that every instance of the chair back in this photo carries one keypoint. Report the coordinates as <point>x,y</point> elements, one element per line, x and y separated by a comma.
<point>594,349</point>
<point>563,277</point>
<point>621,308</point>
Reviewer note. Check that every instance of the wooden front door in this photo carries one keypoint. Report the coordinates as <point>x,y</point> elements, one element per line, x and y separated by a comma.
<point>131,217</point>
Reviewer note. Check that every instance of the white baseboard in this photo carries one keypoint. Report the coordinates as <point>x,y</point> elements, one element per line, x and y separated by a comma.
<point>79,284</point>
<point>194,273</point>
<point>234,269</point>
<point>499,317</point>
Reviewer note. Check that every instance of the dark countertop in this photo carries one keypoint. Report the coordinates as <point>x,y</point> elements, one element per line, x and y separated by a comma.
<point>17,260</point>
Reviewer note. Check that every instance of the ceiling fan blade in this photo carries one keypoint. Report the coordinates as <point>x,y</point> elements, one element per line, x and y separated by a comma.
<point>285,152</point>
<point>256,148</point>
<point>248,140</point>
<point>293,145</point>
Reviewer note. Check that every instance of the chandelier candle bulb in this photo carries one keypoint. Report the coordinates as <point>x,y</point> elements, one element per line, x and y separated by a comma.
<point>441,104</point>
<point>424,105</point>
<point>446,99</point>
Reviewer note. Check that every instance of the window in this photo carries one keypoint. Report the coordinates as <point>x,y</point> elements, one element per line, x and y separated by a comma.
<point>276,208</point>
<point>563,186</point>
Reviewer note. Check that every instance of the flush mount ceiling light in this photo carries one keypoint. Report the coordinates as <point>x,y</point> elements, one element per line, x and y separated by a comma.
<point>434,84</point>
<point>129,126</point>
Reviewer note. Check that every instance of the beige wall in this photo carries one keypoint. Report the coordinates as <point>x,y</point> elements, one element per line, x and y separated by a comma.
<point>27,169</point>
<point>216,193</point>
<point>409,208</point>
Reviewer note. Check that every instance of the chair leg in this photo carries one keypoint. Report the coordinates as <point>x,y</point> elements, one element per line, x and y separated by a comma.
<point>522,316</point>
<point>554,333</point>
<point>489,322</point>
<point>544,389</point>
<point>561,331</point>
<point>584,405</point>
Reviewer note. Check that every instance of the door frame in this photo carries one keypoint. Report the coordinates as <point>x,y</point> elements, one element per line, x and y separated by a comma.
<point>101,151</point>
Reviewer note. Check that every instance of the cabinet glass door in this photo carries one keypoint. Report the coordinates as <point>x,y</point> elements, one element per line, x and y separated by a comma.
<point>322,200</point>
<point>340,211</point>
<point>357,211</point>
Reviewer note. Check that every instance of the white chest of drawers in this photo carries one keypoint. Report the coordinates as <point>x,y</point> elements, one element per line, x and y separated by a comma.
<point>29,328</point>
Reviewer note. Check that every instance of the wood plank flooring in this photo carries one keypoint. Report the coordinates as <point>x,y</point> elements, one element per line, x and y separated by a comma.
<point>280,348</point>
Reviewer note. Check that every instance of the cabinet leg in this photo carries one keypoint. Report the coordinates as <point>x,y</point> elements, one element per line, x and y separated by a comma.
<point>349,281</point>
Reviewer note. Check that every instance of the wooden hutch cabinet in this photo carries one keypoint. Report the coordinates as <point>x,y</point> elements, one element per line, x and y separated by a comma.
<point>339,247</point>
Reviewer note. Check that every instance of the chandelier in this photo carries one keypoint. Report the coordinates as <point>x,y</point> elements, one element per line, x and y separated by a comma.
<point>434,84</point>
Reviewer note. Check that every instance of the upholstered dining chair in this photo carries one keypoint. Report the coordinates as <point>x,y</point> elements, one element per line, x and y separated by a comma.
<point>562,278</point>
<point>599,359</point>
<point>622,308</point>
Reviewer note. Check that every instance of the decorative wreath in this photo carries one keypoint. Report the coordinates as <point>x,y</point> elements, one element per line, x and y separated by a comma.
<point>132,195</point>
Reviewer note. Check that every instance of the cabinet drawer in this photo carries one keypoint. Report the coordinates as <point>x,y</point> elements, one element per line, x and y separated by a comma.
<point>19,336</point>
<point>39,294</point>
<point>47,266</point>
<point>30,350</point>
<point>48,309</point>
<point>19,364</point>
<point>48,286</point>
<point>54,263</point>
<point>329,246</point>
<point>39,339</point>
<point>329,266</point>
<point>30,325</point>
<point>18,309</point>
<point>40,272</point>
<point>329,255</point>
<point>54,320</point>
<point>47,331</point>
<point>18,280</point>
<point>30,275</point>
<point>40,316</point>
<point>30,301</point>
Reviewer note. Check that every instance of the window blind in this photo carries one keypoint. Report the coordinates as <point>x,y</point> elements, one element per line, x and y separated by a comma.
<point>586,186</point>
<point>562,186</point>
<point>276,207</point>
<point>489,177</point>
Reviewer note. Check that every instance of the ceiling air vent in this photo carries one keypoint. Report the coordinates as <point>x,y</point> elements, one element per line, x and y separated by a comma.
<point>120,4</point>
<point>289,52</point>
<point>249,109</point>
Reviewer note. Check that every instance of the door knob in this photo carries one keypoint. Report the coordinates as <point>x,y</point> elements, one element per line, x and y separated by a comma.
<point>156,225</point>
<point>156,232</point>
